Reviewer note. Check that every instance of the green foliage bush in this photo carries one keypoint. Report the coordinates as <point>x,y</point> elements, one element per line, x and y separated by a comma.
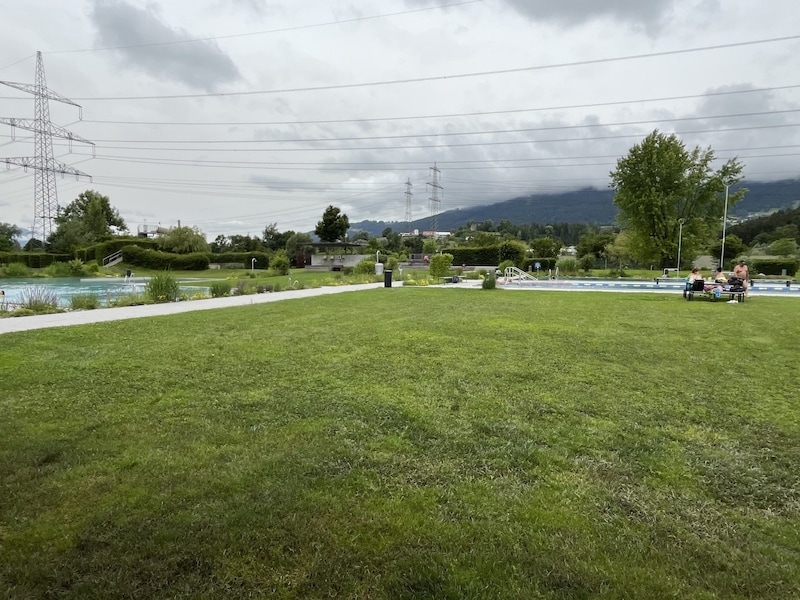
<point>544,264</point>
<point>365,267</point>
<point>773,266</point>
<point>16,269</point>
<point>587,262</point>
<point>512,251</point>
<point>59,269</point>
<point>280,263</point>
<point>40,300</point>
<point>33,260</point>
<point>162,287</point>
<point>440,264</point>
<point>243,258</point>
<point>97,252</point>
<point>567,266</point>
<point>487,255</point>
<point>392,264</point>
<point>219,289</point>
<point>489,282</point>
<point>504,265</point>
<point>157,260</point>
<point>84,301</point>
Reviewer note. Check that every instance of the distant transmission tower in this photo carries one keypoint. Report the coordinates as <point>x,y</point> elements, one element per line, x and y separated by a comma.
<point>408,205</point>
<point>45,194</point>
<point>436,188</point>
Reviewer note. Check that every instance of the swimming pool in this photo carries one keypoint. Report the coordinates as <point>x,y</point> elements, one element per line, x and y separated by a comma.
<point>764,287</point>
<point>106,289</point>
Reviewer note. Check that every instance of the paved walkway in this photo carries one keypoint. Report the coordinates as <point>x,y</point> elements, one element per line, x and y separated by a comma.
<point>84,317</point>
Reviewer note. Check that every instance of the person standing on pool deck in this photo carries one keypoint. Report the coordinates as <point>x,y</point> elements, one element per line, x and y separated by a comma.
<point>740,271</point>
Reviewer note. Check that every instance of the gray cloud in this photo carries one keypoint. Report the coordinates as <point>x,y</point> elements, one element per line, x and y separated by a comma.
<point>201,65</point>
<point>646,12</point>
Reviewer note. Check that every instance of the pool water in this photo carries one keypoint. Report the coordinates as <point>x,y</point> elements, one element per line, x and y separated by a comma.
<point>106,289</point>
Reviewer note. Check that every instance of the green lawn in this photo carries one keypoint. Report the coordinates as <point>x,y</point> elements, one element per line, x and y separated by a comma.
<point>407,443</point>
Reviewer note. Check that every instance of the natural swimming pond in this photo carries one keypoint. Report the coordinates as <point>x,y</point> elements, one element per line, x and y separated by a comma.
<point>106,289</point>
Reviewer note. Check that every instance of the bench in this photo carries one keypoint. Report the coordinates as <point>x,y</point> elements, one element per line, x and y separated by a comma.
<point>712,292</point>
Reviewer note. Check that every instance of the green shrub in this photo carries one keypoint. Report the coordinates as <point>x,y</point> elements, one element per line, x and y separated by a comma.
<point>391,264</point>
<point>220,289</point>
<point>774,266</point>
<point>280,264</point>
<point>504,265</point>
<point>365,267</point>
<point>587,262</point>
<point>162,287</point>
<point>567,266</point>
<point>57,269</point>
<point>489,282</point>
<point>16,269</point>
<point>512,251</point>
<point>129,299</point>
<point>84,302</point>
<point>40,300</point>
<point>440,264</point>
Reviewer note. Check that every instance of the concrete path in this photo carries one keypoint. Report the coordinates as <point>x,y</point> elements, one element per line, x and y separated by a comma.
<point>84,317</point>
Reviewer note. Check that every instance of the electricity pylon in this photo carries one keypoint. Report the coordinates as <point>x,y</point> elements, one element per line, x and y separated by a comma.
<point>435,202</point>
<point>409,194</point>
<point>45,194</point>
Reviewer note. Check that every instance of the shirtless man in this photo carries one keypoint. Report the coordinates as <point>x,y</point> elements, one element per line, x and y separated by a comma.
<point>742,273</point>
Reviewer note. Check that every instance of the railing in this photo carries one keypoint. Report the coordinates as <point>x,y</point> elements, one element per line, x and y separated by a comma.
<point>113,259</point>
<point>513,274</point>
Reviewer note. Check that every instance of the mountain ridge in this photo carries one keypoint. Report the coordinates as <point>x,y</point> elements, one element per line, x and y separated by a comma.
<point>586,205</point>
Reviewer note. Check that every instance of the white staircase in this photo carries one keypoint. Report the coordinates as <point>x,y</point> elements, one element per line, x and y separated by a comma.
<point>515,275</point>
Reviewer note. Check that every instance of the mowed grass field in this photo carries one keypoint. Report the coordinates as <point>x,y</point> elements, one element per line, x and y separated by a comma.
<point>407,443</point>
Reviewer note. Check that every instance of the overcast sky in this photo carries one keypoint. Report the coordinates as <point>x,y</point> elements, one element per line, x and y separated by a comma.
<point>230,115</point>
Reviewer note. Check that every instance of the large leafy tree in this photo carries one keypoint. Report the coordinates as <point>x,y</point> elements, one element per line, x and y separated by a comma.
<point>669,196</point>
<point>333,226</point>
<point>86,220</point>
<point>8,237</point>
<point>183,240</point>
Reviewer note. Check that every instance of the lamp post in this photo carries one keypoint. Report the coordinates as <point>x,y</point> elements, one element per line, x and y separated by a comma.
<point>724,225</point>
<point>252,264</point>
<point>680,239</point>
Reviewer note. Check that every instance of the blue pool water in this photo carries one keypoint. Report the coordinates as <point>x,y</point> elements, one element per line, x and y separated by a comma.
<point>106,289</point>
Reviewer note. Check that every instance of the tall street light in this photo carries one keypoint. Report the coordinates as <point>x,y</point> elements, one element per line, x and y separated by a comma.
<point>680,239</point>
<point>724,224</point>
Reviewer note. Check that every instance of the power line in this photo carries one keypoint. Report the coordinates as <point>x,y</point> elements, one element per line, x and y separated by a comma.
<point>458,145</point>
<point>457,133</point>
<point>451,115</point>
<point>580,63</point>
<point>266,32</point>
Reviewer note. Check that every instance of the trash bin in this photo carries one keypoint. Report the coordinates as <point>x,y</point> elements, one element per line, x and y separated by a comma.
<point>387,278</point>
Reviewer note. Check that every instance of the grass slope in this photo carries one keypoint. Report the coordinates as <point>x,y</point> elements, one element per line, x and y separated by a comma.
<point>407,443</point>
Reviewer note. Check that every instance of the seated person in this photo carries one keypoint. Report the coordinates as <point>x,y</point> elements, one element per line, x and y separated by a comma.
<point>720,277</point>
<point>694,275</point>
<point>694,281</point>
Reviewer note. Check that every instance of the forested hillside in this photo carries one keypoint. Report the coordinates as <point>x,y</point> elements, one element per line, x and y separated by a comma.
<point>584,206</point>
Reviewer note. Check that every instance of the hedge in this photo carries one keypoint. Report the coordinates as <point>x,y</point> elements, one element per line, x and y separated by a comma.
<point>489,255</point>
<point>33,260</point>
<point>544,264</point>
<point>243,258</point>
<point>99,251</point>
<point>162,261</point>
<point>773,266</point>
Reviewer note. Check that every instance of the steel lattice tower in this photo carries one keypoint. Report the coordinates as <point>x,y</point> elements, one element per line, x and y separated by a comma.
<point>435,202</point>
<point>409,194</point>
<point>45,193</point>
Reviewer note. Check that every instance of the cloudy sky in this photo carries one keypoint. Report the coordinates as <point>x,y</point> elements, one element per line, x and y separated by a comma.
<point>230,115</point>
